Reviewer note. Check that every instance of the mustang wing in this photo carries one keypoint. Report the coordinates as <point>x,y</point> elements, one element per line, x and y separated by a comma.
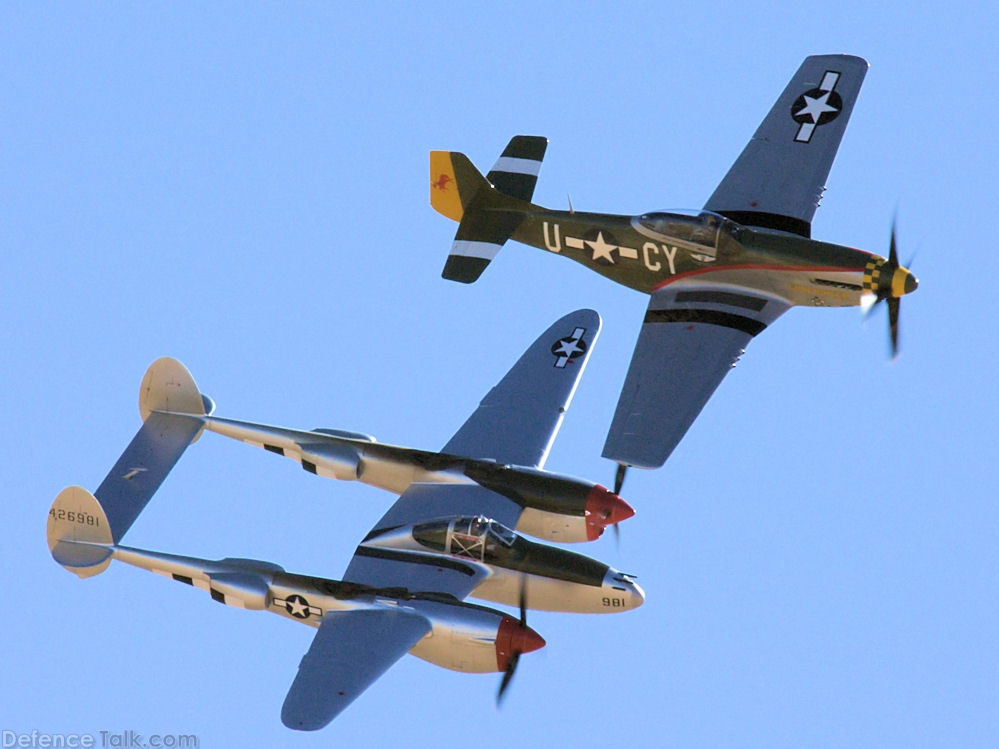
<point>518,419</point>
<point>779,178</point>
<point>421,573</point>
<point>691,337</point>
<point>349,652</point>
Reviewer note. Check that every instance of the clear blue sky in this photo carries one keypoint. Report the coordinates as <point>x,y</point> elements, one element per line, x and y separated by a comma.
<point>245,187</point>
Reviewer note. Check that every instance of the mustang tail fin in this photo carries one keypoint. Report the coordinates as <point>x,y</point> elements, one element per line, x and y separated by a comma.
<point>78,532</point>
<point>488,209</point>
<point>454,183</point>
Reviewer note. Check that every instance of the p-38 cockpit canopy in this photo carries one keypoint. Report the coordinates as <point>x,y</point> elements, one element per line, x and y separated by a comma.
<point>473,537</point>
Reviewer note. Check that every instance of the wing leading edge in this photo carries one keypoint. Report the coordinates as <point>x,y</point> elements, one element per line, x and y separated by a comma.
<point>691,337</point>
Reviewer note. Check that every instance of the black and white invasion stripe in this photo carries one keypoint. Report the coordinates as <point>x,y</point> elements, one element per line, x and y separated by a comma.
<point>516,171</point>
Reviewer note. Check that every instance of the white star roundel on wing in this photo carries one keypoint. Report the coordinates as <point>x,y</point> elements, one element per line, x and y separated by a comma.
<point>817,107</point>
<point>569,348</point>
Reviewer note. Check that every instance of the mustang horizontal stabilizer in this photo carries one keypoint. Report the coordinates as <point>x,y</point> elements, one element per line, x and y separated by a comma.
<point>690,339</point>
<point>349,652</point>
<point>481,204</point>
<point>779,178</point>
<point>515,173</point>
<point>518,419</point>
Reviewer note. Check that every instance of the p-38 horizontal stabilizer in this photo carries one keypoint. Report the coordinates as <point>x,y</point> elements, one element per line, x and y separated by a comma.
<point>172,410</point>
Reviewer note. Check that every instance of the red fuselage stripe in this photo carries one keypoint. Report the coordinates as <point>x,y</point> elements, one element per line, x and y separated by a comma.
<point>794,268</point>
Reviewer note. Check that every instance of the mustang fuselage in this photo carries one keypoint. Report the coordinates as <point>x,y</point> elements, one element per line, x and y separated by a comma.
<point>654,250</point>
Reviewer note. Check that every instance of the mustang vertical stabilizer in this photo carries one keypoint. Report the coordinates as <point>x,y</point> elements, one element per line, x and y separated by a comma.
<point>460,192</point>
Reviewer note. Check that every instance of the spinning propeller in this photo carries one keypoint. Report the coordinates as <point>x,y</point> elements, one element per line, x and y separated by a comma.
<point>622,469</point>
<point>886,280</point>
<point>523,641</point>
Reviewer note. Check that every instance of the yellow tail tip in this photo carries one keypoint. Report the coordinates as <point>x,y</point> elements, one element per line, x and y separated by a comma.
<point>444,195</point>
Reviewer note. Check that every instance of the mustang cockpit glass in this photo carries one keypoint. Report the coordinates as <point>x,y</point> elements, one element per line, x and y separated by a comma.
<point>702,232</point>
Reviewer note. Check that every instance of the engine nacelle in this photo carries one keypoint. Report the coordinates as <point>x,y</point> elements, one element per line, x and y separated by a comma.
<point>470,638</point>
<point>556,508</point>
<point>244,590</point>
<point>329,459</point>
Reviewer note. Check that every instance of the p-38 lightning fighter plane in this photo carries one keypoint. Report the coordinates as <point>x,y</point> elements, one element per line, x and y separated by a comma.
<point>717,277</point>
<point>447,537</point>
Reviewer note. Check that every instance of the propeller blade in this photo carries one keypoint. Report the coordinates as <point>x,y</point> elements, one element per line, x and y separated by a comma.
<point>523,600</point>
<point>894,304</point>
<point>507,677</point>
<point>617,536</point>
<point>622,469</point>
<point>511,665</point>
<point>892,253</point>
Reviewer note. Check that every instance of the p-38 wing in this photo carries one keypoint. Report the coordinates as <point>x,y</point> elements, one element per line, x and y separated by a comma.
<point>515,423</point>
<point>448,536</point>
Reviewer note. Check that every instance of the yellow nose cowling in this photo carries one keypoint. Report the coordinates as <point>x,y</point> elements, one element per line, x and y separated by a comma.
<point>903,282</point>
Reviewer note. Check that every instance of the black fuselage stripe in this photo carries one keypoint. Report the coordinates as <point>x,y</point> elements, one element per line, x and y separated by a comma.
<point>770,221</point>
<point>401,556</point>
<point>710,316</point>
<point>754,303</point>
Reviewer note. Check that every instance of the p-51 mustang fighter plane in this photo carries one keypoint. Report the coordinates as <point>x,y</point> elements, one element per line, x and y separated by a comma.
<point>717,277</point>
<point>447,536</point>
